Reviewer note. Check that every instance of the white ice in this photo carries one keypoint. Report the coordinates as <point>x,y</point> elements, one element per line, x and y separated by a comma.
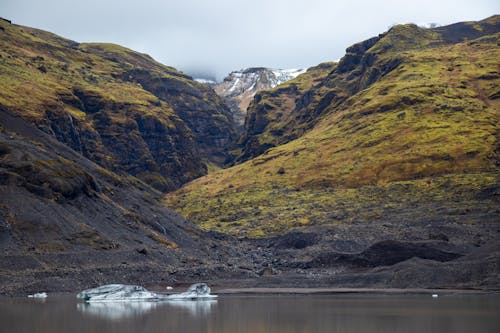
<point>132,293</point>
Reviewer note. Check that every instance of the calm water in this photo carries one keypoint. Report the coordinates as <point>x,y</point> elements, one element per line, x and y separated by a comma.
<point>258,314</point>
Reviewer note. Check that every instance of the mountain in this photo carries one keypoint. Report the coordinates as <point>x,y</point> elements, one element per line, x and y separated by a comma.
<point>239,87</point>
<point>67,224</point>
<point>115,106</point>
<point>382,169</point>
<point>410,114</point>
<point>398,141</point>
<point>282,114</point>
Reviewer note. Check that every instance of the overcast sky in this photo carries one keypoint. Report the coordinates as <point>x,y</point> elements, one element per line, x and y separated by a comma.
<point>218,36</point>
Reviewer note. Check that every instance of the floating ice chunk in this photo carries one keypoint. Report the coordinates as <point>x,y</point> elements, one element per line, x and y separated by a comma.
<point>38,295</point>
<point>196,291</point>
<point>131,293</point>
<point>117,293</point>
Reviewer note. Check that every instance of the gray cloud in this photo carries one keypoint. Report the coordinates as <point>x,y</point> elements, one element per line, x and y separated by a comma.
<point>218,36</point>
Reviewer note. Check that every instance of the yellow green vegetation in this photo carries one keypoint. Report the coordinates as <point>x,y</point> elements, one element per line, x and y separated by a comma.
<point>424,135</point>
<point>90,97</point>
<point>37,68</point>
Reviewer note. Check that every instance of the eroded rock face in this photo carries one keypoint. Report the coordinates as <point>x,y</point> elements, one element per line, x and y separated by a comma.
<point>157,148</point>
<point>198,106</point>
<point>116,107</point>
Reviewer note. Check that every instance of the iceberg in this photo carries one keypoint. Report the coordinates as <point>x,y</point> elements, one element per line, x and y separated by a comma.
<point>133,293</point>
<point>117,293</point>
<point>198,291</point>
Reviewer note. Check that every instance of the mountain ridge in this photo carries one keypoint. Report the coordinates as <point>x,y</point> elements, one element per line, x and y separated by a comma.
<point>117,107</point>
<point>363,64</point>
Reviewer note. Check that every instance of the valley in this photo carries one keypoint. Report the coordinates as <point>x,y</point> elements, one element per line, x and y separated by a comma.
<point>377,171</point>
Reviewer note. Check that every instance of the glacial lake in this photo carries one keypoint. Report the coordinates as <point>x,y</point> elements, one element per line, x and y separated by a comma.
<point>259,314</point>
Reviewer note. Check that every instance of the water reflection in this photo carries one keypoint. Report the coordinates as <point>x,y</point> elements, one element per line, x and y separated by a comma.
<point>195,308</point>
<point>116,310</point>
<point>251,314</point>
<point>122,310</point>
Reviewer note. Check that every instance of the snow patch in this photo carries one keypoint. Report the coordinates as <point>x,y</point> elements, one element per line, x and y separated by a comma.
<point>205,81</point>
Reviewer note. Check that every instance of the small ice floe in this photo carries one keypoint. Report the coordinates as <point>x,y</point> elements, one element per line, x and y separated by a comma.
<point>38,295</point>
<point>131,293</point>
<point>198,291</point>
<point>435,295</point>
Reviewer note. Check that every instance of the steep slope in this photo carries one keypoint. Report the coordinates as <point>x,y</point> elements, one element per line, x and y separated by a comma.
<point>67,224</point>
<point>363,65</point>
<point>115,106</point>
<point>272,119</point>
<point>239,87</point>
<point>404,145</point>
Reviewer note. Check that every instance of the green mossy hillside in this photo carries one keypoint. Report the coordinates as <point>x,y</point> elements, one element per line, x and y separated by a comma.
<point>280,115</point>
<point>118,107</point>
<point>420,142</point>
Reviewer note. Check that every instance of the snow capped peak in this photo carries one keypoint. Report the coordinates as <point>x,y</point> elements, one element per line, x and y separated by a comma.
<point>254,79</point>
<point>239,87</point>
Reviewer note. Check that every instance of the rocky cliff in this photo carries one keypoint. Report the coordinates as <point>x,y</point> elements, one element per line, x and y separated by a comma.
<point>115,106</point>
